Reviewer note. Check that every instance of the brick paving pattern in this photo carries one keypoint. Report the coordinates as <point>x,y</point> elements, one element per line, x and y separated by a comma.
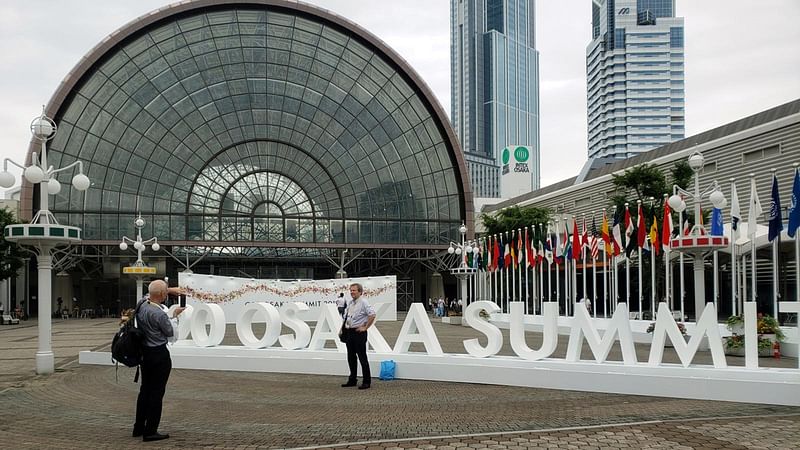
<point>88,407</point>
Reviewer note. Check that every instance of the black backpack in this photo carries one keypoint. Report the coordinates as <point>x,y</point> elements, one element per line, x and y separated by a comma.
<point>126,347</point>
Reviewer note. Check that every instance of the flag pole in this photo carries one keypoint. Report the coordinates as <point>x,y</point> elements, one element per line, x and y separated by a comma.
<point>605,270</point>
<point>505,266</point>
<point>680,268</point>
<point>514,260</point>
<point>652,279</point>
<point>555,257</point>
<point>667,280</point>
<point>796,237</point>
<point>639,212</point>
<point>627,263</point>
<point>716,283</point>
<point>775,255</point>
<point>734,262</point>
<point>752,228</point>
<point>583,256</point>
<point>519,264</point>
<point>527,263</point>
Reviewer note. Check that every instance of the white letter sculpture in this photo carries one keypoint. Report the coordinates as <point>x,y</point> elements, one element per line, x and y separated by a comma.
<point>184,321</point>
<point>618,325</point>
<point>472,315</point>
<point>328,324</point>
<point>302,332</point>
<point>417,320</point>
<point>549,332</point>
<point>208,313</point>
<point>707,325</point>
<point>244,325</point>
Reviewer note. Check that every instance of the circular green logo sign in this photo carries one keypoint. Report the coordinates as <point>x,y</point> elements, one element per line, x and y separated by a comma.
<point>521,154</point>
<point>506,155</point>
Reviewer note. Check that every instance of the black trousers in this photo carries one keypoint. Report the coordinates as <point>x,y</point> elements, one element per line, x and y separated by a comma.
<point>357,350</point>
<point>155,367</point>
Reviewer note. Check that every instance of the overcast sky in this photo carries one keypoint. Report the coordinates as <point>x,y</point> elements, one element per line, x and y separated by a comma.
<point>741,57</point>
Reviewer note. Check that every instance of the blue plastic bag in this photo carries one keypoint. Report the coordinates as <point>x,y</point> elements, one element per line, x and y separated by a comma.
<point>387,370</point>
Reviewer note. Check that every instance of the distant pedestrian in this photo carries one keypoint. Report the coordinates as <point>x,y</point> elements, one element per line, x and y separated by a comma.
<point>341,303</point>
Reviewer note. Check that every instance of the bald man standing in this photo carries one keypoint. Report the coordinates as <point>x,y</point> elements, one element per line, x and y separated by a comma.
<point>158,329</point>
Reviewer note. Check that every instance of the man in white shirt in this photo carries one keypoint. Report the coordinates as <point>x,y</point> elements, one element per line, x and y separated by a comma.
<point>359,316</point>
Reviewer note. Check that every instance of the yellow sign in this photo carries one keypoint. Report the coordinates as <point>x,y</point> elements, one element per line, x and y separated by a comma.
<point>139,270</point>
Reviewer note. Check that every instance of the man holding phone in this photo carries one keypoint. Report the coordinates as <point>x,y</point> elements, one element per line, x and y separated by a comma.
<point>158,329</point>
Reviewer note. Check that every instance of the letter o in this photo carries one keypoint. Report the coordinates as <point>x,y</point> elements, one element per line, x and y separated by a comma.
<point>244,325</point>
<point>208,313</point>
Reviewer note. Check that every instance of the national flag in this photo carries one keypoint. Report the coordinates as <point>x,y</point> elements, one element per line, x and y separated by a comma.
<point>631,244</point>
<point>736,213</point>
<point>577,247</point>
<point>585,235</point>
<point>497,260</point>
<point>507,255</point>
<point>775,215</point>
<point>513,250</point>
<point>641,228</point>
<point>548,246</point>
<point>754,210</point>
<point>685,231</point>
<point>606,237</point>
<point>666,228</point>
<point>794,211</point>
<point>654,236</point>
<point>530,258</point>
<point>566,249</point>
<point>595,238</point>
<point>617,236</point>
<point>520,248</point>
<point>628,224</point>
<point>716,222</point>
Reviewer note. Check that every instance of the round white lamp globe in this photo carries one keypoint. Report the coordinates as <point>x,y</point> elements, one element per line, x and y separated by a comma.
<point>53,186</point>
<point>717,199</point>
<point>458,251</point>
<point>675,203</point>
<point>7,179</point>
<point>451,250</point>
<point>156,247</point>
<point>468,249</point>
<point>138,245</point>
<point>462,229</point>
<point>33,174</point>
<point>123,246</point>
<point>696,161</point>
<point>139,222</point>
<point>80,182</point>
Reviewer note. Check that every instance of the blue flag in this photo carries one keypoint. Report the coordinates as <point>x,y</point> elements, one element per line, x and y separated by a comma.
<point>794,211</point>
<point>716,222</point>
<point>775,217</point>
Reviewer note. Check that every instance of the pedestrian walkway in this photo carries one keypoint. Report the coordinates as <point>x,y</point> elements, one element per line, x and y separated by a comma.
<point>88,407</point>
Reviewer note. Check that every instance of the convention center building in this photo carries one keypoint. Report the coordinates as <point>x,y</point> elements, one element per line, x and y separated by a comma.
<point>264,138</point>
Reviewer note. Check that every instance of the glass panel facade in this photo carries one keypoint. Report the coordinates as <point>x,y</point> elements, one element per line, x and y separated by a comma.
<point>253,124</point>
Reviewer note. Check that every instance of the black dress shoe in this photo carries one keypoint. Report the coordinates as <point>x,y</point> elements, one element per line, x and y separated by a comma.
<point>364,386</point>
<point>155,437</point>
<point>137,433</point>
<point>350,384</point>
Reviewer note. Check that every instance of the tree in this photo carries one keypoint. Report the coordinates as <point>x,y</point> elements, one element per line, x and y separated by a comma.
<point>514,218</point>
<point>10,253</point>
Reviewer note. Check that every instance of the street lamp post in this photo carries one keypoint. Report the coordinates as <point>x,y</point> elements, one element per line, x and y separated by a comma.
<point>44,233</point>
<point>463,271</point>
<point>139,269</point>
<point>698,241</point>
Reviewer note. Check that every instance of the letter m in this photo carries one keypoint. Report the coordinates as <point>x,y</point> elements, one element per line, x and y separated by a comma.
<point>706,326</point>
<point>618,325</point>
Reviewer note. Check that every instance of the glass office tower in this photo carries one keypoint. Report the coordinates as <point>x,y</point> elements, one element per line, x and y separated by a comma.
<point>495,85</point>
<point>635,78</point>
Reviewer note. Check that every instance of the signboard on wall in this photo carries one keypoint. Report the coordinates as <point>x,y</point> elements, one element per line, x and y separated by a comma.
<point>232,294</point>
<point>516,171</point>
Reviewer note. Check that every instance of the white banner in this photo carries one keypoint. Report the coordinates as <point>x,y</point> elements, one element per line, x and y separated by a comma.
<point>232,293</point>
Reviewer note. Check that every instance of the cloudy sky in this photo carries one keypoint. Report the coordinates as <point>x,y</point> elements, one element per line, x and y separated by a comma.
<point>741,57</point>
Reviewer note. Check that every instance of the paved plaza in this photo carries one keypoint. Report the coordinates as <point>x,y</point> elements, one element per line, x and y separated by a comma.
<point>92,407</point>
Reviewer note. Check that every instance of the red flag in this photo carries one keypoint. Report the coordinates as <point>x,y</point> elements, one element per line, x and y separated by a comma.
<point>642,232</point>
<point>628,224</point>
<point>576,241</point>
<point>496,255</point>
<point>529,258</point>
<point>585,235</point>
<point>666,229</point>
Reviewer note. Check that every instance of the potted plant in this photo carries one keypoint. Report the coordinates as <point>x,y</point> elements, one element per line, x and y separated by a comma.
<point>768,331</point>
<point>668,343</point>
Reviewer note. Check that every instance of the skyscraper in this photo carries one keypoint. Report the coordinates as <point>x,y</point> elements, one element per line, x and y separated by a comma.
<point>495,86</point>
<point>635,79</point>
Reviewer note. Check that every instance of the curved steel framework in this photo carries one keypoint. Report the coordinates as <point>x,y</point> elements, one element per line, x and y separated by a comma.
<point>257,124</point>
